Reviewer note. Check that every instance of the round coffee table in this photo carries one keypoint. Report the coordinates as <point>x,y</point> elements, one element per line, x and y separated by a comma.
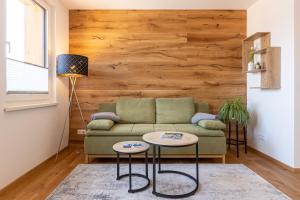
<point>132,149</point>
<point>158,139</point>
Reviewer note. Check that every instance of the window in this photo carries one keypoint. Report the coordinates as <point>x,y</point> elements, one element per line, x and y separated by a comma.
<point>26,47</point>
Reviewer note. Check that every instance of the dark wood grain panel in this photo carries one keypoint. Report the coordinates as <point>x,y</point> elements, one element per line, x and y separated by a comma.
<point>162,53</point>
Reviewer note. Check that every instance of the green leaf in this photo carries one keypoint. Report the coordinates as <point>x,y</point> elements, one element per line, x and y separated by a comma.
<point>234,109</point>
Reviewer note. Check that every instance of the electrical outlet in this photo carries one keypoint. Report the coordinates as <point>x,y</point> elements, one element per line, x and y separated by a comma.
<point>260,139</point>
<point>81,131</point>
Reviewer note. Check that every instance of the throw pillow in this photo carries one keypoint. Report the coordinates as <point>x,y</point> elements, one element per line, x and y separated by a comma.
<point>105,115</point>
<point>212,124</point>
<point>100,124</point>
<point>202,116</point>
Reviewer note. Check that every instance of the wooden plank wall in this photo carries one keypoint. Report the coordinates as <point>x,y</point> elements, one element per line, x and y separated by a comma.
<point>157,53</point>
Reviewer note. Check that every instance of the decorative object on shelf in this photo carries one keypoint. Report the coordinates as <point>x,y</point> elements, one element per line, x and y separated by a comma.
<point>251,59</point>
<point>72,66</point>
<point>266,59</point>
<point>235,111</point>
<point>258,66</point>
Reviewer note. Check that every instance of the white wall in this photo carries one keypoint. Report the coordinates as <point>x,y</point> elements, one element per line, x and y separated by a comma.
<point>272,127</point>
<point>297,83</point>
<point>29,137</point>
<point>158,4</point>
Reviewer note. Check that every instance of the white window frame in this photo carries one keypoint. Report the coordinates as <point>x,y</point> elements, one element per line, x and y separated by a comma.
<point>28,99</point>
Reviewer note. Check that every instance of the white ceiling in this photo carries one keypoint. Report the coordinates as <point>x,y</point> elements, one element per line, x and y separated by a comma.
<point>158,4</point>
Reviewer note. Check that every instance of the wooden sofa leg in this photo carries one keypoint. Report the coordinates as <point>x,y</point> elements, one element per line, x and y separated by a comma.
<point>86,159</point>
<point>223,159</point>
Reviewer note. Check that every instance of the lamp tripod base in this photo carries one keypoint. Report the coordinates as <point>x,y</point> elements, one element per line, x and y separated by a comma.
<point>73,93</point>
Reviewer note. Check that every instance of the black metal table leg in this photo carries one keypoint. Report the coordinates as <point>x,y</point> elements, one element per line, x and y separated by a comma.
<point>197,165</point>
<point>130,181</point>
<point>118,166</point>
<point>237,138</point>
<point>130,174</point>
<point>146,163</point>
<point>154,169</point>
<point>119,150</point>
<point>159,166</point>
<point>245,139</point>
<point>178,196</point>
<point>229,140</point>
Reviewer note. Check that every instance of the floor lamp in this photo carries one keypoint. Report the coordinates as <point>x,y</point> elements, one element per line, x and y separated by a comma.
<point>73,67</point>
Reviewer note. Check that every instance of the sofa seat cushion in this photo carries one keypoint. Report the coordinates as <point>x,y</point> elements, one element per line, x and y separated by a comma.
<point>116,130</point>
<point>164,127</point>
<point>141,129</point>
<point>124,130</point>
<point>174,110</point>
<point>199,131</point>
<point>136,110</point>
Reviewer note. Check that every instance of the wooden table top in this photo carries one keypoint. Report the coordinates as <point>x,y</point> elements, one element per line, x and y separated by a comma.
<point>118,147</point>
<point>156,138</point>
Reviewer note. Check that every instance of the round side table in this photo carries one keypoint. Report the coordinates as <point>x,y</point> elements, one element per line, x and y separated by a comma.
<point>133,147</point>
<point>157,140</point>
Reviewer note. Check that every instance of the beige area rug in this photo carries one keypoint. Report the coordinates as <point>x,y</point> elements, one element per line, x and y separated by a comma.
<point>217,182</point>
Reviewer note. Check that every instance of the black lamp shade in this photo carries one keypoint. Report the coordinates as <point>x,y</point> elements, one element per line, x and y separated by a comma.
<point>71,65</point>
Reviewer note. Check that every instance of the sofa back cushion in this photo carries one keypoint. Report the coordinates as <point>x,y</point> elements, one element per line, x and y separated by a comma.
<point>202,107</point>
<point>107,107</point>
<point>136,110</point>
<point>174,110</point>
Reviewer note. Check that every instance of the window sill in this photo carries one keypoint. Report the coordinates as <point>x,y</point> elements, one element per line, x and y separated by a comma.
<point>11,108</point>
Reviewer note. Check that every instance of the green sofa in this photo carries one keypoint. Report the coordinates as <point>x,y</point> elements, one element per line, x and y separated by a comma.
<point>142,115</point>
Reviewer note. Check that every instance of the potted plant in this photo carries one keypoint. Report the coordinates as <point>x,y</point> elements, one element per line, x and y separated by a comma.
<point>234,110</point>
